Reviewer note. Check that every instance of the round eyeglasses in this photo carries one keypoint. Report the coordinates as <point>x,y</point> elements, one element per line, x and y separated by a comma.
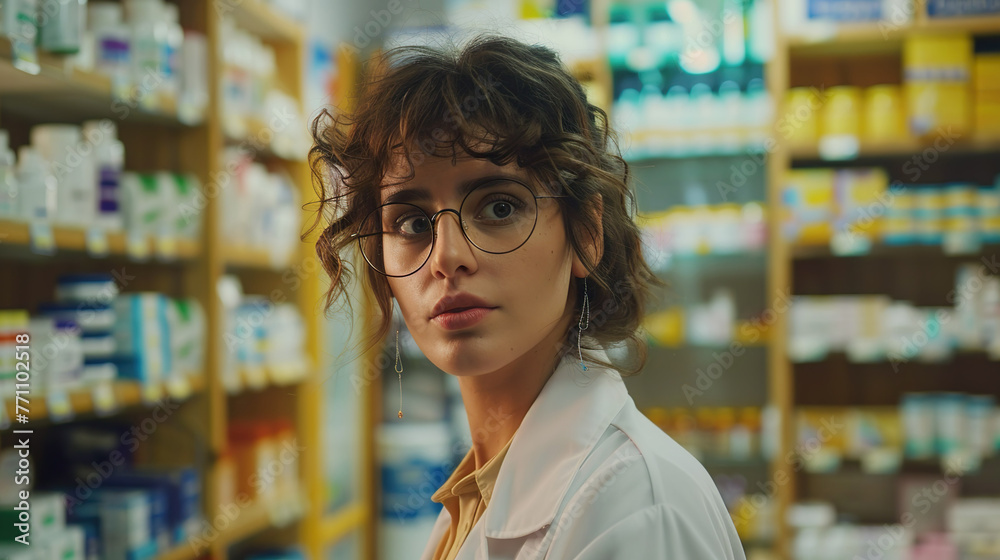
<point>497,217</point>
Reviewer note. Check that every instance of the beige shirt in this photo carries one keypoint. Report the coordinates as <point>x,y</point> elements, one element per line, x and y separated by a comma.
<point>465,495</point>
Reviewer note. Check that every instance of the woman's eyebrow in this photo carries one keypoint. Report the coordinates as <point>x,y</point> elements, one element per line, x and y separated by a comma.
<point>422,194</point>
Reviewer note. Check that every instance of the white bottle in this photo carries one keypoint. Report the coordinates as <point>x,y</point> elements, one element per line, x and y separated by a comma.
<point>61,26</point>
<point>173,40</point>
<point>108,160</point>
<point>193,94</point>
<point>18,20</point>
<point>111,44</point>
<point>60,146</point>
<point>147,50</point>
<point>37,186</point>
<point>8,179</point>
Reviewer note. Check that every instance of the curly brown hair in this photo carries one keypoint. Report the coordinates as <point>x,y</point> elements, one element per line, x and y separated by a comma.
<point>506,101</point>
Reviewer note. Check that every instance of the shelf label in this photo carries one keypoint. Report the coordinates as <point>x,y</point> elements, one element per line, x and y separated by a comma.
<point>953,8</point>
<point>961,243</point>
<point>97,242</point>
<point>166,246</point>
<point>60,409</point>
<point>43,240</point>
<point>137,245</point>
<point>104,398</point>
<point>179,387</point>
<point>152,392</point>
<point>845,243</point>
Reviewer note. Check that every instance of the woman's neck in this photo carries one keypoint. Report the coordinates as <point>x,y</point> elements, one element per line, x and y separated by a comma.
<point>497,402</point>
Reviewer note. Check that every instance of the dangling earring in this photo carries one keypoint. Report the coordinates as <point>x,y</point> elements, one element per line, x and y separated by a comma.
<point>399,372</point>
<point>584,323</point>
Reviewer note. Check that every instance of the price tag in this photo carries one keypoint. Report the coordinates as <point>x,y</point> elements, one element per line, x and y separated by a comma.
<point>179,387</point>
<point>43,240</point>
<point>845,243</point>
<point>961,243</point>
<point>104,398</point>
<point>166,246</point>
<point>97,242</point>
<point>60,409</point>
<point>152,392</point>
<point>137,246</point>
<point>255,377</point>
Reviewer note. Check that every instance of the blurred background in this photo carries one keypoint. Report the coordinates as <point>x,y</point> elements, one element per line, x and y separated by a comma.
<point>817,183</point>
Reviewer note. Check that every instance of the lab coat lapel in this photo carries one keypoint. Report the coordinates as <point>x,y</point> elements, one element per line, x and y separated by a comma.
<point>560,429</point>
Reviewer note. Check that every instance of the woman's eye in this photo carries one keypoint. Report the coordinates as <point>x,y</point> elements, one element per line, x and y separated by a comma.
<point>498,210</point>
<point>413,225</point>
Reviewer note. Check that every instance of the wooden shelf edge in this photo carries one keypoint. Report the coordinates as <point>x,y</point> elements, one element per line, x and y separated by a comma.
<point>970,144</point>
<point>249,257</point>
<point>89,94</point>
<point>180,552</point>
<point>804,252</point>
<point>340,524</point>
<point>884,34</point>
<point>264,21</point>
<point>127,394</point>
<point>255,518</point>
<point>74,239</point>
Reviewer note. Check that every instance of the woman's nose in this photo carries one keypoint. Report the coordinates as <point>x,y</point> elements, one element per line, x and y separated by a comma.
<point>452,251</point>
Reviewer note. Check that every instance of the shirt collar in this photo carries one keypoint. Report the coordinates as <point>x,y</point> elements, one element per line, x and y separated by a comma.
<point>561,427</point>
<point>465,477</point>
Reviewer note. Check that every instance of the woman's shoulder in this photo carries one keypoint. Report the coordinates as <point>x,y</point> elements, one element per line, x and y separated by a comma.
<point>656,461</point>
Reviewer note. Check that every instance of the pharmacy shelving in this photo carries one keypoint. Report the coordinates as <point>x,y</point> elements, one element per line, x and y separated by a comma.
<point>108,399</point>
<point>263,21</point>
<point>925,273</point>
<point>60,93</point>
<point>244,256</point>
<point>96,243</point>
<point>806,252</point>
<point>868,38</point>
<point>903,147</point>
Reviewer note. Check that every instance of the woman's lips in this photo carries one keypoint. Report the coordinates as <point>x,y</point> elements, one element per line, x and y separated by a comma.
<point>461,318</point>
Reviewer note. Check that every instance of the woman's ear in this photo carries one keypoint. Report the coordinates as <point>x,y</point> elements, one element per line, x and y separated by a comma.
<point>593,241</point>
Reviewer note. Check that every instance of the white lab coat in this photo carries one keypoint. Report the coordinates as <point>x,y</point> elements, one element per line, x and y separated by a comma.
<point>589,477</point>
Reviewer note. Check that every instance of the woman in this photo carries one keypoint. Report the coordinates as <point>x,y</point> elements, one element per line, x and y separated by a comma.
<point>488,199</point>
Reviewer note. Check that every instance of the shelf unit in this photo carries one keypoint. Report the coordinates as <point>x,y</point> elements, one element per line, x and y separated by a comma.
<point>193,269</point>
<point>835,381</point>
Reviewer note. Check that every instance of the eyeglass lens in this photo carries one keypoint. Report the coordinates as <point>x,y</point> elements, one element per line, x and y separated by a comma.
<point>497,217</point>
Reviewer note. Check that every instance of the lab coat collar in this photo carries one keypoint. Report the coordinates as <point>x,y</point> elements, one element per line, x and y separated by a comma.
<point>561,427</point>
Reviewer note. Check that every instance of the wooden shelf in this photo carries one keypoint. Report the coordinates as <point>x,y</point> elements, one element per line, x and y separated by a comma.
<point>126,394</point>
<point>264,21</point>
<point>260,516</point>
<point>902,148</point>
<point>247,257</point>
<point>876,37</point>
<point>18,235</point>
<point>805,252</point>
<point>837,382</point>
<point>180,552</point>
<point>254,136</point>
<point>340,524</point>
<point>62,93</point>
